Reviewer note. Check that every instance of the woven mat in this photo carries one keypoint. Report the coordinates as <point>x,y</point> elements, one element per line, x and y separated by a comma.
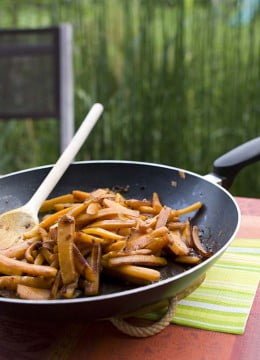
<point>224,300</point>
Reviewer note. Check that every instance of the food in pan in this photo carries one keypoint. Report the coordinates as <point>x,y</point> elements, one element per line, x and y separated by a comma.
<point>83,235</point>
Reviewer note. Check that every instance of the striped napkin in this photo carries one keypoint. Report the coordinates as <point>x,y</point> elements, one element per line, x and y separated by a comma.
<point>223,301</point>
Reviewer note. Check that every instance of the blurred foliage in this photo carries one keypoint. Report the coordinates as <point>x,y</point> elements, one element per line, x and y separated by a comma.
<point>179,82</point>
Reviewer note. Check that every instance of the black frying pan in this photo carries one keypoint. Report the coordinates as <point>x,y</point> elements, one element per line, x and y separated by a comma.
<point>219,221</point>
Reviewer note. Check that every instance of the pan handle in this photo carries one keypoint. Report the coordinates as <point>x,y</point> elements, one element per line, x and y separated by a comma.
<point>227,166</point>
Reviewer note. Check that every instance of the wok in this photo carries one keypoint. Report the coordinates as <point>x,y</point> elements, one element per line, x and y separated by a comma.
<point>219,221</point>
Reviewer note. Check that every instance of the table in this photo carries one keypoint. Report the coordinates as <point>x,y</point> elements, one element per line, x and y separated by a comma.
<point>100,340</point>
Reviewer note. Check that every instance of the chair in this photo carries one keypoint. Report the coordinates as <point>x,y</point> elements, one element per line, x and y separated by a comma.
<point>36,76</point>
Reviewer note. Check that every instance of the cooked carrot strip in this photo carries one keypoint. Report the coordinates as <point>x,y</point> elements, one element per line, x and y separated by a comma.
<point>80,195</point>
<point>47,255</point>
<point>69,291</point>
<point>32,293</point>
<point>136,274</point>
<point>148,210</point>
<point>157,244</point>
<point>117,253</point>
<point>44,234</point>
<point>93,208</point>
<point>18,250</point>
<point>84,219</point>
<point>55,286</point>
<point>89,239</point>
<point>135,204</point>
<point>176,244</point>
<point>146,260</point>
<point>143,240</point>
<point>66,230</point>
<point>113,224</point>
<point>10,266</point>
<point>148,224</point>
<point>11,282</point>
<point>120,199</point>
<point>116,246</point>
<point>186,234</point>
<point>81,264</point>
<point>50,220</point>
<point>92,287</point>
<point>193,207</point>
<point>29,251</point>
<point>61,206</point>
<point>176,225</point>
<point>197,243</point>
<point>188,259</point>
<point>125,232</point>
<point>39,260</point>
<point>102,233</point>
<point>49,204</point>
<point>163,217</point>
<point>34,232</point>
<point>102,193</point>
<point>120,208</point>
<point>78,209</point>
<point>55,261</point>
<point>53,231</point>
<point>156,203</point>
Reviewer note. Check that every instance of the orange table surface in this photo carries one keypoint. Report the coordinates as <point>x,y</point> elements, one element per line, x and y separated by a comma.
<point>100,340</point>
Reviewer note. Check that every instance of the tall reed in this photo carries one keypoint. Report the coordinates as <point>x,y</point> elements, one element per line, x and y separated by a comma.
<point>179,81</point>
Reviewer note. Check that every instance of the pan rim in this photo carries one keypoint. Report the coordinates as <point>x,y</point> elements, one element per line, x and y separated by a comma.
<point>138,289</point>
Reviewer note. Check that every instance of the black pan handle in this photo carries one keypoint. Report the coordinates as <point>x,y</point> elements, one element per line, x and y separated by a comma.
<point>228,165</point>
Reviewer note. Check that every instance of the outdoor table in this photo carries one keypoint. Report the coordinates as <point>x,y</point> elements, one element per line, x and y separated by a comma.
<point>101,340</point>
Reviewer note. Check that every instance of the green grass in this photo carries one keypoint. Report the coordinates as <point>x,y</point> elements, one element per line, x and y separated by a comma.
<point>180,85</point>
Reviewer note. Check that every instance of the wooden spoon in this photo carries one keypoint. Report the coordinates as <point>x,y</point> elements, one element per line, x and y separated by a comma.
<point>15,222</point>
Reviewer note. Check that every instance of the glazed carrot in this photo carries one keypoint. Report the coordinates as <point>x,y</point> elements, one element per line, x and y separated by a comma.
<point>48,204</point>
<point>32,293</point>
<point>80,195</point>
<point>53,218</point>
<point>65,239</point>
<point>193,207</point>
<point>156,203</point>
<point>10,266</point>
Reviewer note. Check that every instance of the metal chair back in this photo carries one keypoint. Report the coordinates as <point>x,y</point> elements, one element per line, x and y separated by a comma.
<point>36,76</point>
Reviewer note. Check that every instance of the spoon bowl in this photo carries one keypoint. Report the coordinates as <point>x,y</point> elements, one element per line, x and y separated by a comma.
<point>13,224</point>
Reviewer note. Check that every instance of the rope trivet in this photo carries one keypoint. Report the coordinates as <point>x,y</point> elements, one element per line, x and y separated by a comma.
<point>145,331</point>
<point>156,327</point>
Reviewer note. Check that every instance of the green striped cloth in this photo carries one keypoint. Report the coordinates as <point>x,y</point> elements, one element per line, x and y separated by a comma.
<point>223,301</point>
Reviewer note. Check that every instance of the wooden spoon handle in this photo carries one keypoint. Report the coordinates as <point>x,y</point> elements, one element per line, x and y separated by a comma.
<point>65,159</point>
